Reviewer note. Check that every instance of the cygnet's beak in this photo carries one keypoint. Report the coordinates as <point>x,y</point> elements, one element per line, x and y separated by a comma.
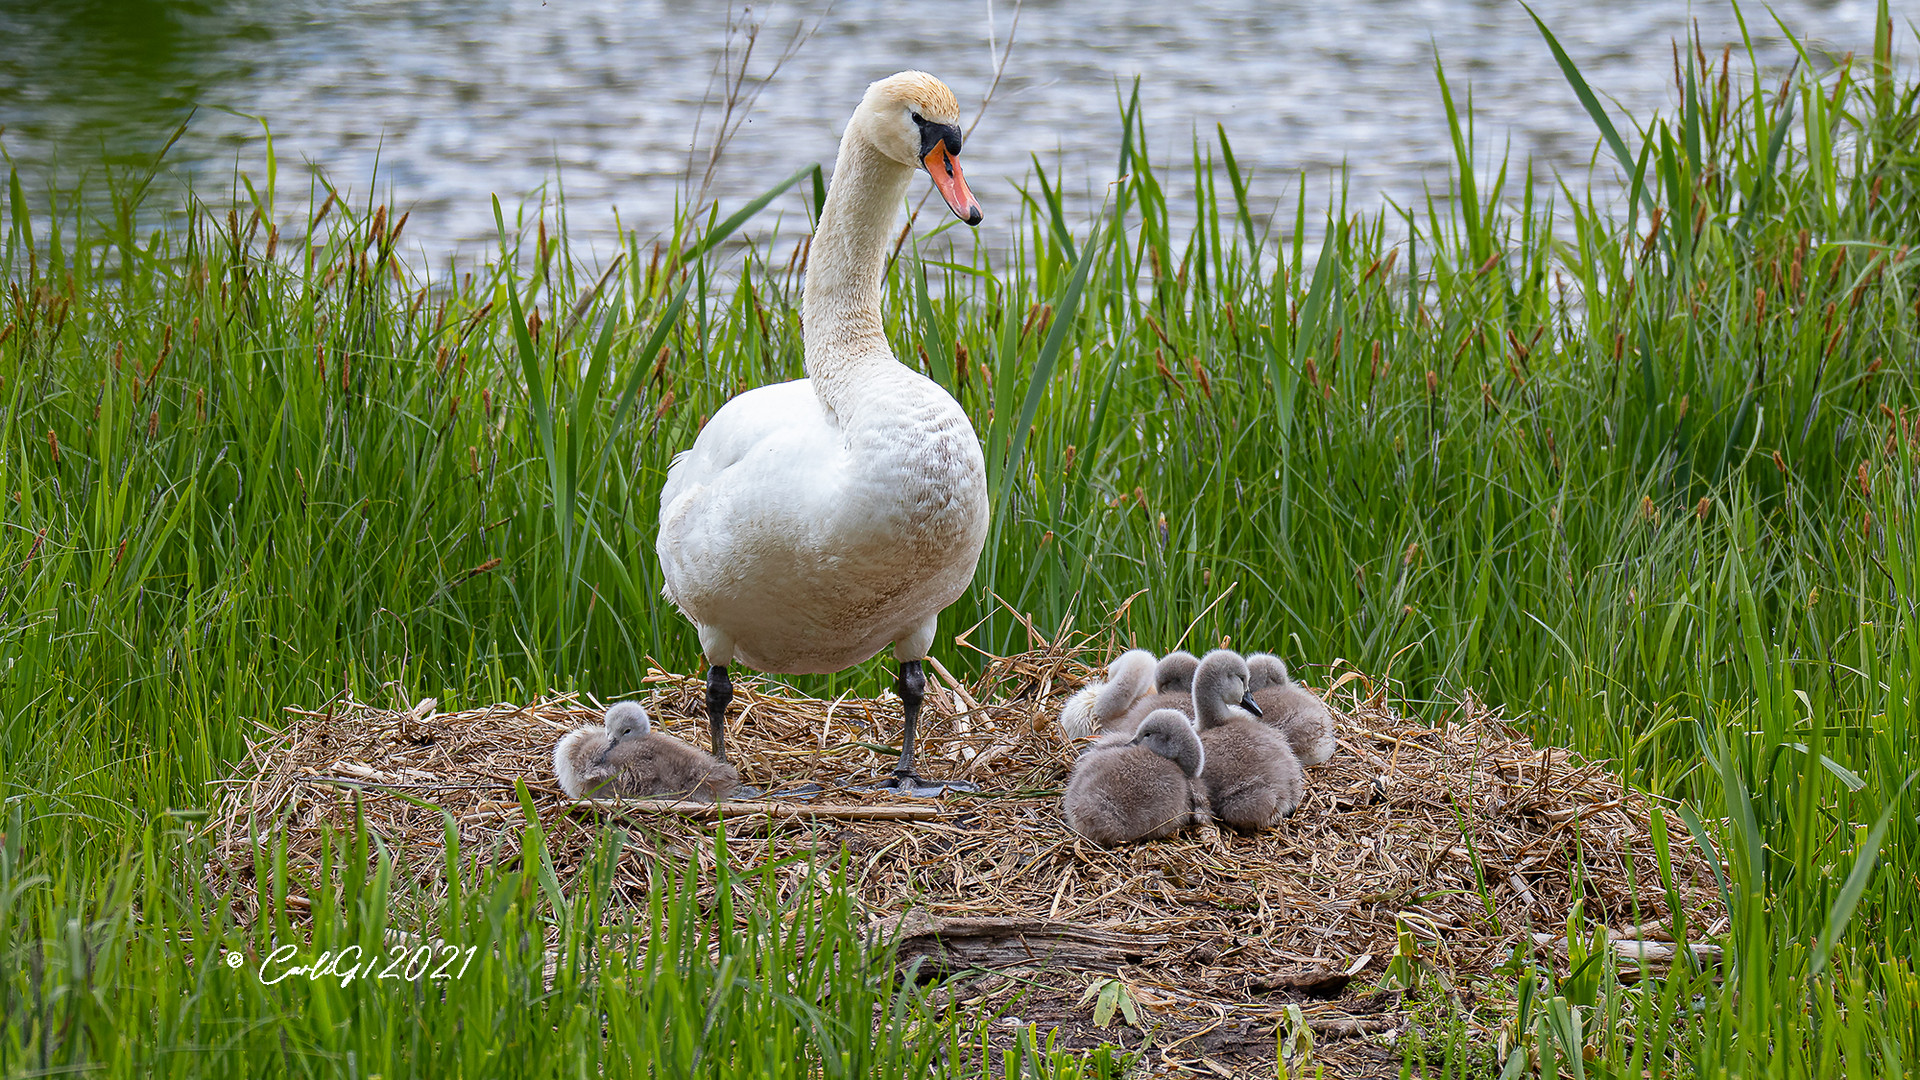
<point>611,743</point>
<point>1247,703</point>
<point>951,183</point>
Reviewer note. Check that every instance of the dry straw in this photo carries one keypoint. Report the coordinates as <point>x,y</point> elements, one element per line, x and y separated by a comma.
<point>1404,840</point>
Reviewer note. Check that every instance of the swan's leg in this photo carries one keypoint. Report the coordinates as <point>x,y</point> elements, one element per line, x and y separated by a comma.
<point>912,687</point>
<point>719,695</point>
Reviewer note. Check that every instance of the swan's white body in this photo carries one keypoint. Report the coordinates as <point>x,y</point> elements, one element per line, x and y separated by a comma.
<point>814,523</point>
<point>800,545</point>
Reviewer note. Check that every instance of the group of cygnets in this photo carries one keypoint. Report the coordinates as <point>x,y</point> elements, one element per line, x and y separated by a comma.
<point>1189,741</point>
<point>1180,741</point>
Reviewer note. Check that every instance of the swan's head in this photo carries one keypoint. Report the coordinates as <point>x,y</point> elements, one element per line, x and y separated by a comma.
<point>1220,684</point>
<point>914,119</point>
<point>626,720</point>
<point>1175,673</point>
<point>1265,670</point>
<point>1170,734</point>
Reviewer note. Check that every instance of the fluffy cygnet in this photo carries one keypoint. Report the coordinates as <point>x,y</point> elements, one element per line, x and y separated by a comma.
<point>628,758</point>
<point>1253,780</point>
<point>1140,787</point>
<point>1291,709</point>
<point>1102,704</point>
<point>1174,674</point>
<point>1172,689</point>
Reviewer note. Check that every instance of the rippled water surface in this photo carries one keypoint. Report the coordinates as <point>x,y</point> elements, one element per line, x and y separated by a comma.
<point>446,103</point>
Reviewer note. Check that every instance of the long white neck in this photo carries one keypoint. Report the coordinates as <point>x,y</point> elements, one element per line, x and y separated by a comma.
<point>840,302</point>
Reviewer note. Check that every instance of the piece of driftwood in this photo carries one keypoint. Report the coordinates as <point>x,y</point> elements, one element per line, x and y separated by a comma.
<point>1318,982</point>
<point>738,809</point>
<point>945,946</point>
<point>1350,1026</point>
<point>1639,958</point>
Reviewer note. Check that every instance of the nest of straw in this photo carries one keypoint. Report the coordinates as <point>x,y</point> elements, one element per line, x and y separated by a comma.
<point>1450,847</point>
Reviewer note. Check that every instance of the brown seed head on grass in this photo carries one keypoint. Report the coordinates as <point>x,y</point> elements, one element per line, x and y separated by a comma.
<point>1206,384</point>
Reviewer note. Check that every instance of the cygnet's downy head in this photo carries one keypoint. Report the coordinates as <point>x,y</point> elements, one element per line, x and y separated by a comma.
<point>625,721</point>
<point>1265,670</point>
<point>1219,685</point>
<point>1168,733</point>
<point>1175,673</point>
<point>914,119</point>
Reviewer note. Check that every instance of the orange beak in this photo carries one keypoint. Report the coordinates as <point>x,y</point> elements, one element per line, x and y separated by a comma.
<point>952,184</point>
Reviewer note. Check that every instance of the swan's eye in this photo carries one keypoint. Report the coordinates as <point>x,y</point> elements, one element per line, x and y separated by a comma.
<point>932,134</point>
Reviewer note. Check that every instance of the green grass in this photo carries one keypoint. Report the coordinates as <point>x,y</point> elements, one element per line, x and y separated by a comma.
<point>1647,480</point>
<point>508,975</point>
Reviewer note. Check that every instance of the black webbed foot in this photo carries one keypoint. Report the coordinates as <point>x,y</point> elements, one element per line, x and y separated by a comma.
<point>793,791</point>
<point>910,784</point>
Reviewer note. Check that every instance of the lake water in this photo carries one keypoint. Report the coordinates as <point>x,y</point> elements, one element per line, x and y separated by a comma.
<point>440,104</point>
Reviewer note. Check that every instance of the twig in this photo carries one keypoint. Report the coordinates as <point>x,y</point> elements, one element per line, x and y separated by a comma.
<point>1203,614</point>
<point>739,99</point>
<point>999,69</point>
<point>732,810</point>
<point>586,298</point>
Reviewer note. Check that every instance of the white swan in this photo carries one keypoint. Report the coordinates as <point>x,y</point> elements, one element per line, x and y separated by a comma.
<point>814,523</point>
